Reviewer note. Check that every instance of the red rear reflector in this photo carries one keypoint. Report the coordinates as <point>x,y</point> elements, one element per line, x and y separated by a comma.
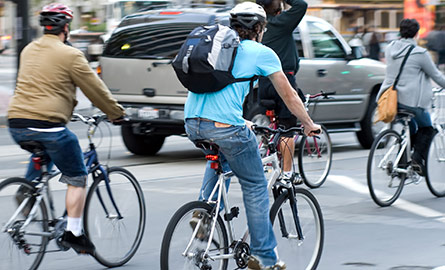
<point>36,161</point>
<point>270,113</point>
<point>214,165</point>
<point>170,12</point>
<point>212,157</point>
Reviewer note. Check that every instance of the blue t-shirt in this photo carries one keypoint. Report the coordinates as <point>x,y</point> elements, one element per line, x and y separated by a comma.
<point>226,105</point>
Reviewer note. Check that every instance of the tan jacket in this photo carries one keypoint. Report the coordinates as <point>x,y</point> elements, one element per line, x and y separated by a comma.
<point>46,85</point>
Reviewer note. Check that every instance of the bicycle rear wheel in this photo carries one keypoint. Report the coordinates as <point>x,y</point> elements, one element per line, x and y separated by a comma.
<point>315,158</point>
<point>435,165</point>
<point>114,217</point>
<point>17,250</point>
<point>183,248</point>
<point>384,182</point>
<point>304,253</point>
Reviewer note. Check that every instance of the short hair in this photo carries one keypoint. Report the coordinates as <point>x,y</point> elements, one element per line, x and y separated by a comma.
<point>409,28</point>
<point>245,33</point>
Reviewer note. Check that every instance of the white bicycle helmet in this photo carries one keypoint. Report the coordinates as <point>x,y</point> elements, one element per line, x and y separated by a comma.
<point>247,14</point>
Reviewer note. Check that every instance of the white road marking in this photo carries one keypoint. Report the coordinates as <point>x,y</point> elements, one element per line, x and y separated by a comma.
<point>351,184</point>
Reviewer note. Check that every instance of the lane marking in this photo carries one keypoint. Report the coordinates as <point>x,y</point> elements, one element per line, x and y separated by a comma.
<point>354,185</point>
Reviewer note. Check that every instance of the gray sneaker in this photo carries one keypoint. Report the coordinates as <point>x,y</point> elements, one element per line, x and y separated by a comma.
<point>254,264</point>
<point>22,193</point>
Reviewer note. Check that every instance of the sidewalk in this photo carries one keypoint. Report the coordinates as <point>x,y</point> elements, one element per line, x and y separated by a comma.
<point>4,101</point>
<point>7,84</point>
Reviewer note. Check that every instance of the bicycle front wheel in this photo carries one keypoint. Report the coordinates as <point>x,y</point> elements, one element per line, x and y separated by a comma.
<point>315,158</point>
<point>187,236</point>
<point>435,165</point>
<point>385,181</point>
<point>21,250</point>
<point>114,217</point>
<point>300,251</point>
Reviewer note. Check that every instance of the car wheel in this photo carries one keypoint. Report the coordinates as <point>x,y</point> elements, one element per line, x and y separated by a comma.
<point>141,144</point>
<point>257,115</point>
<point>369,130</point>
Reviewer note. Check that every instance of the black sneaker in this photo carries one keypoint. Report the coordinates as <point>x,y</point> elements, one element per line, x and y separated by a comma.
<point>81,244</point>
<point>418,165</point>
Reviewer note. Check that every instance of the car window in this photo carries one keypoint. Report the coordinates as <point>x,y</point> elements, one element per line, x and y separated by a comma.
<point>297,38</point>
<point>324,42</point>
<point>148,41</point>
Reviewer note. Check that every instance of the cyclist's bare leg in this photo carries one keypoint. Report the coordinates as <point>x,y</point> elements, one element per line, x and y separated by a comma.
<point>287,147</point>
<point>73,236</point>
<point>75,201</point>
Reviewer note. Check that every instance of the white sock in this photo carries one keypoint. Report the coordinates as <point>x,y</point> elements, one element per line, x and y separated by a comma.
<point>74,225</point>
<point>288,174</point>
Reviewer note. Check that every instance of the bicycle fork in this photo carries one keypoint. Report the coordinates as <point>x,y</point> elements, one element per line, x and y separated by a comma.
<point>289,189</point>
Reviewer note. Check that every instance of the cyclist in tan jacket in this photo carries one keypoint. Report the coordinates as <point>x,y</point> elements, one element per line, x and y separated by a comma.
<point>44,100</point>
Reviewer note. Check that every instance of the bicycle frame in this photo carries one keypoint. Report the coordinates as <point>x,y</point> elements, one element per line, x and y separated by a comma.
<point>43,188</point>
<point>406,147</point>
<point>222,196</point>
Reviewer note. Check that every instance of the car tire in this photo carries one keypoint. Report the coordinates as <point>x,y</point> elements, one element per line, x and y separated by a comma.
<point>145,145</point>
<point>369,130</point>
<point>257,114</point>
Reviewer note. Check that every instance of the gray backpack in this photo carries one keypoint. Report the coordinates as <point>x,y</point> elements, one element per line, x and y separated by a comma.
<point>204,62</point>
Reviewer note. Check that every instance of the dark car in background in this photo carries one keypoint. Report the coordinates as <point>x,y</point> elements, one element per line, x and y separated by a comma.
<point>136,66</point>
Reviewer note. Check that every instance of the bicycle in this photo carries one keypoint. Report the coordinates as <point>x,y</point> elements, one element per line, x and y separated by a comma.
<point>389,163</point>
<point>314,153</point>
<point>26,230</point>
<point>197,237</point>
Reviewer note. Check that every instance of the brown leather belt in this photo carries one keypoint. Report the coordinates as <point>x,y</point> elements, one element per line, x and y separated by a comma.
<point>217,124</point>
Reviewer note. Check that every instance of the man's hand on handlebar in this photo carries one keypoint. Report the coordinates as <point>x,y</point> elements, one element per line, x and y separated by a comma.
<point>312,130</point>
<point>119,121</point>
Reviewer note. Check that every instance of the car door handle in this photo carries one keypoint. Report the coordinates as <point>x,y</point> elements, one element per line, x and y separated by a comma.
<point>322,72</point>
<point>155,64</point>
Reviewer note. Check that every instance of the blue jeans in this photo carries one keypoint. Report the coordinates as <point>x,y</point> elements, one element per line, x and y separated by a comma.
<point>240,150</point>
<point>421,118</point>
<point>63,149</point>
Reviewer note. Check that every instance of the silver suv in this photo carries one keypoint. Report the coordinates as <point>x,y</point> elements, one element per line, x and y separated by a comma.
<point>135,65</point>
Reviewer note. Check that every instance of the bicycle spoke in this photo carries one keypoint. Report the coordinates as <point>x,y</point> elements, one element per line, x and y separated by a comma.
<point>115,217</point>
<point>187,237</point>
<point>21,250</point>
<point>387,159</point>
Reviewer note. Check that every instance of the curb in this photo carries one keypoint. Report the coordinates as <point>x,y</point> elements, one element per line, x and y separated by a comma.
<point>3,120</point>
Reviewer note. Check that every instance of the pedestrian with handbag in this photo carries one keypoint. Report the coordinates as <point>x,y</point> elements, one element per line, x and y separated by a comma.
<point>413,86</point>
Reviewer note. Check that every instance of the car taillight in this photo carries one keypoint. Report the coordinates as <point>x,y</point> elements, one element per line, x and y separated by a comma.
<point>170,12</point>
<point>99,71</point>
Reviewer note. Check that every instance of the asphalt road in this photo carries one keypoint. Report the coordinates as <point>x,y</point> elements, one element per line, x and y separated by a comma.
<point>359,234</point>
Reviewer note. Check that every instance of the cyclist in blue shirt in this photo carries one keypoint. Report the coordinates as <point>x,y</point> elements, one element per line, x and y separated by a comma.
<point>217,116</point>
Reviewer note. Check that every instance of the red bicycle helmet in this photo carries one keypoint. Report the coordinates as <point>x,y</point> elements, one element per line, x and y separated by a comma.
<point>58,8</point>
<point>54,16</point>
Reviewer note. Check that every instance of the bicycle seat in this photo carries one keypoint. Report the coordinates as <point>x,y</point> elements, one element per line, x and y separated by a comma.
<point>207,145</point>
<point>401,113</point>
<point>269,104</point>
<point>32,146</point>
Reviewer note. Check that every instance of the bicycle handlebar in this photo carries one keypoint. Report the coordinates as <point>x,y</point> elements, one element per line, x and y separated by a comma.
<point>437,90</point>
<point>265,130</point>
<point>89,120</point>
<point>324,94</point>
<point>96,119</point>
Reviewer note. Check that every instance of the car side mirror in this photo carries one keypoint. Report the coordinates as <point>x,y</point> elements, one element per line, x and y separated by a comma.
<point>356,53</point>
